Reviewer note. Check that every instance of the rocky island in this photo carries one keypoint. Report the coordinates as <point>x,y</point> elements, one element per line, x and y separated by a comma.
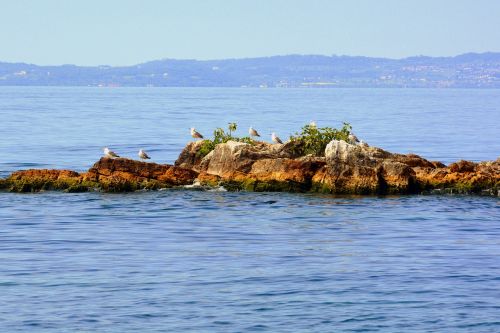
<point>343,168</point>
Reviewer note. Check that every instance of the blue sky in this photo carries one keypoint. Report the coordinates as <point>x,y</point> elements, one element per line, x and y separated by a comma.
<point>123,32</point>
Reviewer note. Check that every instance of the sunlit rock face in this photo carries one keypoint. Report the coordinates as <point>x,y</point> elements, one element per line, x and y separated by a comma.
<point>345,168</point>
<point>361,169</point>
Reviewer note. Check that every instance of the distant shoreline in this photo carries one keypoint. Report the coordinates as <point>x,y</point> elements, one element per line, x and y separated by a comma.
<point>471,70</point>
<point>249,88</point>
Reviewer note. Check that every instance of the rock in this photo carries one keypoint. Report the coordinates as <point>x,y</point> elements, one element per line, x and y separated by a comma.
<point>258,167</point>
<point>363,170</point>
<point>233,157</point>
<point>345,168</point>
<point>190,157</point>
<point>413,161</point>
<point>208,179</point>
<point>463,176</point>
<point>110,175</point>
<point>338,151</point>
<point>397,177</point>
<point>125,174</point>
<point>38,180</point>
<point>462,166</point>
<point>44,174</point>
<point>438,164</point>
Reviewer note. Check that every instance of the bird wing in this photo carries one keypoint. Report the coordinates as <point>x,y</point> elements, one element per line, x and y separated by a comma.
<point>278,140</point>
<point>197,135</point>
<point>256,133</point>
<point>146,156</point>
<point>112,153</point>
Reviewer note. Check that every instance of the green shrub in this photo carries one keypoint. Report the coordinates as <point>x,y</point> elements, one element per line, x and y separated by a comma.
<point>220,136</point>
<point>313,140</point>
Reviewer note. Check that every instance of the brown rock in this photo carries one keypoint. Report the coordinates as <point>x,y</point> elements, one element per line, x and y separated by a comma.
<point>465,176</point>
<point>121,170</point>
<point>413,161</point>
<point>190,158</point>
<point>208,179</point>
<point>45,174</point>
<point>236,157</point>
<point>286,169</point>
<point>345,168</point>
<point>36,180</point>
<point>462,166</point>
<point>361,169</point>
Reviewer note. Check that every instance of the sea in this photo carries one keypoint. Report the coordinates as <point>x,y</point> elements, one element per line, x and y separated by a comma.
<point>181,260</point>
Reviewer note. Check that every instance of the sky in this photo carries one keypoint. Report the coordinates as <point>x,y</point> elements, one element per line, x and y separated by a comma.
<point>126,32</point>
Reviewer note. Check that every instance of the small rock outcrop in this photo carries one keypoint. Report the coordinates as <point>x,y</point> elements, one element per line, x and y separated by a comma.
<point>109,175</point>
<point>120,174</point>
<point>462,177</point>
<point>35,180</point>
<point>345,168</point>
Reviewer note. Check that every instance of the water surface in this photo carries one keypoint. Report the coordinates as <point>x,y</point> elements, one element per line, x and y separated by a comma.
<point>192,261</point>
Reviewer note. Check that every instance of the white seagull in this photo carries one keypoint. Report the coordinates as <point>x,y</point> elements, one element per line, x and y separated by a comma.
<point>275,138</point>
<point>196,134</point>
<point>253,132</point>
<point>363,144</point>
<point>109,153</point>
<point>312,124</point>
<point>353,139</point>
<point>143,156</point>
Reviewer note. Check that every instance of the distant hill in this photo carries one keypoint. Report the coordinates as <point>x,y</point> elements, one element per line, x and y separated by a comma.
<point>471,70</point>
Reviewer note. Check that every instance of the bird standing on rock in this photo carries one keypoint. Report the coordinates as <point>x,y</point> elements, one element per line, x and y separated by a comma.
<point>353,139</point>
<point>275,138</point>
<point>143,156</point>
<point>196,134</point>
<point>253,132</point>
<point>109,153</point>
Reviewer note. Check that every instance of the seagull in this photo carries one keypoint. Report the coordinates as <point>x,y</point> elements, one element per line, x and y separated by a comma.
<point>253,132</point>
<point>196,134</point>
<point>275,138</point>
<point>353,139</point>
<point>143,156</point>
<point>109,153</point>
<point>363,144</point>
<point>312,124</point>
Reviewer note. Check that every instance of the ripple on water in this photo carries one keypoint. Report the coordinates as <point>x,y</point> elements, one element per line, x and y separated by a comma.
<point>201,261</point>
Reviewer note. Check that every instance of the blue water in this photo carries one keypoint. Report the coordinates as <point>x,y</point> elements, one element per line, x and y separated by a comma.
<point>194,261</point>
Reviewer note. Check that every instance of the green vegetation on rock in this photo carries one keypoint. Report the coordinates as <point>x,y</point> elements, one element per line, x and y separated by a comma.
<point>313,140</point>
<point>220,136</point>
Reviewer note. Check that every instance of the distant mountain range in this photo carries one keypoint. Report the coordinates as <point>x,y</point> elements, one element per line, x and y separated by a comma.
<point>471,70</point>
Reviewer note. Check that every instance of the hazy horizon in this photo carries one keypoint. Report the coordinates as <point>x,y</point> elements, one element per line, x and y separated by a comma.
<point>125,33</point>
<point>256,57</point>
